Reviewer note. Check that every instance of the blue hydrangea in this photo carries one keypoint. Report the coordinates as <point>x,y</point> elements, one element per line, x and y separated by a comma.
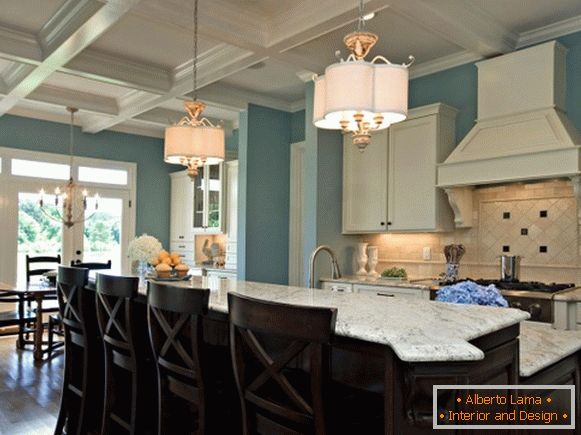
<point>468,292</point>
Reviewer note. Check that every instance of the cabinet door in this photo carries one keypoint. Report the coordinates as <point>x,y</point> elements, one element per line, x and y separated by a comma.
<point>412,175</point>
<point>214,198</point>
<point>207,217</point>
<point>198,219</point>
<point>181,207</point>
<point>365,185</point>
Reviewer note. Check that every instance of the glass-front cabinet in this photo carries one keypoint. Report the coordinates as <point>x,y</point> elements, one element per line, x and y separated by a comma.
<point>207,216</point>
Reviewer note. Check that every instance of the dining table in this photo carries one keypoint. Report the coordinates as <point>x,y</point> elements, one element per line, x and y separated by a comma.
<point>38,292</point>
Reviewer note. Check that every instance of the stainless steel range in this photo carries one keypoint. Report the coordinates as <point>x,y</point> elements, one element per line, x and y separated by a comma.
<point>533,297</point>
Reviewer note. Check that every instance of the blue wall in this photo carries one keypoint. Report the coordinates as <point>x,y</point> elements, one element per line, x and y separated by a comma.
<point>263,214</point>
<point>458,88</point>
<point>298,126</point>
<point>153,184</point>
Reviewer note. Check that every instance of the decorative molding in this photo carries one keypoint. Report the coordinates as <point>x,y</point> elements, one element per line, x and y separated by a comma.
<point>443,63</point>
<point>79,36</point>
<point>551,31</point>
<point>68,97</point>
<point>461,201</point>
<point>107,68</point>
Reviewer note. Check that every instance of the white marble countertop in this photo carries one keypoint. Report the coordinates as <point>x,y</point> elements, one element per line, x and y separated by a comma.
<point>417,330</point>
<point>569,296</point>
<point>362,279</point>
<point>541,346</point>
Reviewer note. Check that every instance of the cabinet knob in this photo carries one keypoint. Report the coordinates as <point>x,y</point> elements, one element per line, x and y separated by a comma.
<point>389,223</point>
<point>382,223</point>
<point>180,237</point>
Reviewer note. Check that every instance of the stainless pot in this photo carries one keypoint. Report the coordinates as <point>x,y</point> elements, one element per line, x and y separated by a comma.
<point>510,267</point>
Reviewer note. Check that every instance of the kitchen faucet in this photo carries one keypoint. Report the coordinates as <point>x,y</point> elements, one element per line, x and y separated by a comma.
<point>335,272</point>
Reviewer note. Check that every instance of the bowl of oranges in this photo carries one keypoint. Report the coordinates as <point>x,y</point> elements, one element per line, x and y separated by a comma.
<point>166,263</point>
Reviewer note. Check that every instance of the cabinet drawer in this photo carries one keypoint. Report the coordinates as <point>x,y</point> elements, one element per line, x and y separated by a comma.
<point>181,246</point>
<point>389,291</point>
<point>337,287</point>
<point>221,274</point>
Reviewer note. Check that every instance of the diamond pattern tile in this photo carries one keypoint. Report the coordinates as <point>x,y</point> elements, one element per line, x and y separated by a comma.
<point>558,231</point>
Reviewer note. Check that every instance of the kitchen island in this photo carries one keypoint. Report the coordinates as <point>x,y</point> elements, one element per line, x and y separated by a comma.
<point>401,347</point>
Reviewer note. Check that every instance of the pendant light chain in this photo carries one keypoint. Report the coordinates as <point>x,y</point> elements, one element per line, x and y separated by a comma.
<point>71,141</point>
<point>195,50</point>
<point>360,21</point>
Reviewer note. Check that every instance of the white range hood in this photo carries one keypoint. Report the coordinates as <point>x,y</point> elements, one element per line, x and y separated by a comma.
<point>522,132</point>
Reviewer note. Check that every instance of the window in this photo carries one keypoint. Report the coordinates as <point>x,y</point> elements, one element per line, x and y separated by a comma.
<point>31,168</point>
<point>104,176</point>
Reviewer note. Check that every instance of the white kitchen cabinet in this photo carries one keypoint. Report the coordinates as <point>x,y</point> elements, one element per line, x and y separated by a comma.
<point>231,213</point>
<point>365,185</point>
<point>416,147</point>
<point>181,207</point>
<point>391,185</point>
<point>207,201</point>
<point>222,274</point>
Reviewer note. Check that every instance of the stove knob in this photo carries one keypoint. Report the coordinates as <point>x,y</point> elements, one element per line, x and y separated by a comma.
<point>535,310</point>
<point>516,305</point>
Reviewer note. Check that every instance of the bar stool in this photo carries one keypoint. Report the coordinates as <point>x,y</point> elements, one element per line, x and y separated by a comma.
<point>175,329</point>
<point>82,391</point>
<point>266,340</point>
<point>130,395</point>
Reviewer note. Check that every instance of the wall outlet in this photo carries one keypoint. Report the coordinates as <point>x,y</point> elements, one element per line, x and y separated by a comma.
<point>427,253</point>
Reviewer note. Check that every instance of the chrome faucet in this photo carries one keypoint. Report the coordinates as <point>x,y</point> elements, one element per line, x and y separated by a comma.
<point>335,272</point>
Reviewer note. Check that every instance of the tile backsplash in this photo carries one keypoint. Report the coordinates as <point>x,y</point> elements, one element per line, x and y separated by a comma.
<point>535,220</point>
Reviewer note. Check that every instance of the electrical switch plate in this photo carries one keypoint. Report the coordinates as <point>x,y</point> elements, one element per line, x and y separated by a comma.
<point>427,254</point>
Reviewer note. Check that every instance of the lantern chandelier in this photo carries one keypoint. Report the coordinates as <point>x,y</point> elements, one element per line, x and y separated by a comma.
<point>69,205</point>
<point>194,140</point>
<point>357,96</point>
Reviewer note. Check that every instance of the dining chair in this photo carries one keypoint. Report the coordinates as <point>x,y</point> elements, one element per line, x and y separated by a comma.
<point>176,334</point>
<point>80,410</point>
<point>266,341</point>
<point>18,316</point>
<point>54,320</point>
<point>130,393</point>
<point>43,261</point>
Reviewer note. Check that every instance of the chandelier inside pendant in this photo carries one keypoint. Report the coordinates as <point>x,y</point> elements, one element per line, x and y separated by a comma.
<point>194,141</point>
<point>357,96</point>
<point>70,200</point>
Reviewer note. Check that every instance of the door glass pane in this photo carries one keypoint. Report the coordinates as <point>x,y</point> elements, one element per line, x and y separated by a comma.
<point>31,168</point>
<point>103,176</point>
<point>199,199</point>
<point>102,233</point>
<point>214,196</point>
<point>38,235</point>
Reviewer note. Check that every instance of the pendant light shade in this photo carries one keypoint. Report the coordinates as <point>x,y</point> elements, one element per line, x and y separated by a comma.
<point>183,142</point>
<point>194,140</point>
<point>390,92</point>
<point>357,96</point>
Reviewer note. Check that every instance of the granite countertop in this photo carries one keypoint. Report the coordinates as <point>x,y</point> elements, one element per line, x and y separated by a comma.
<point>362,279</point>
<point>417,330</point>
<point>569,296</point>
<point>541,346</point>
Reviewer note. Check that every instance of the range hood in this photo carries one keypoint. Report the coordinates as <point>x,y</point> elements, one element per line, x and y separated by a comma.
<point>522,132</point>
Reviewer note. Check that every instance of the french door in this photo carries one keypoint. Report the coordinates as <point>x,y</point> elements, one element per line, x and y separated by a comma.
<point>101,235</point>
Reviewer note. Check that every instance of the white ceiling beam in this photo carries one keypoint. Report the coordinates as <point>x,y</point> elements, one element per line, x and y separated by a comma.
<point>73,98</point>
<point>461,23</point>
<point>114,70</point>
<point>213,67</point>
<point>65,38</point>
<point>19,46</point>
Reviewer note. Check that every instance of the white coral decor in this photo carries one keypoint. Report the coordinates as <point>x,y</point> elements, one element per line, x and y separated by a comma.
<point>144,248</point>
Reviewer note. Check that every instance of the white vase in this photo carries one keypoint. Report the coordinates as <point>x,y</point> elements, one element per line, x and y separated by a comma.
<point>361,258</point>
<point>373,260</point>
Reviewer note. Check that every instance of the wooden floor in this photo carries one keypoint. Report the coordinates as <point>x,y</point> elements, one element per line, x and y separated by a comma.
<point>29,392</point>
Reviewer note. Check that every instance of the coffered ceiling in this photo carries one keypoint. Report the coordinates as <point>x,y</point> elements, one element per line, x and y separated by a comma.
<point>127,64</point>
